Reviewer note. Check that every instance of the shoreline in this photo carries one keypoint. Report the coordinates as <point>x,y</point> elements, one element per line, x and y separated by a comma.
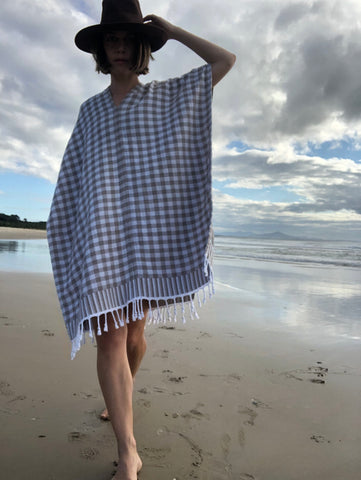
<point>230,395</point>
<point>10,233</point>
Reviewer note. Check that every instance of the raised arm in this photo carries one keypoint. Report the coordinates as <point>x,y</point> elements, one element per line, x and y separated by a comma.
<point>220,59</point>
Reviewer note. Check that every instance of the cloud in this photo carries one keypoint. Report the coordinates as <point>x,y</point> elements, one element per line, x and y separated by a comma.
<point>324,184</point>
<point>234,216</point>
<point>296,85</point>
<point>296,78</point>
<point>298,71</point>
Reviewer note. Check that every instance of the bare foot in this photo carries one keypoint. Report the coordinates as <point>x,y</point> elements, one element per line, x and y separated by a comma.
<point>128,468</point>
<point>105,415</point>
<point>139,463</point>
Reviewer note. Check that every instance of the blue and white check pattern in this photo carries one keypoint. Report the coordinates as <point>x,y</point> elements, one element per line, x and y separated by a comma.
<point>131,213</point>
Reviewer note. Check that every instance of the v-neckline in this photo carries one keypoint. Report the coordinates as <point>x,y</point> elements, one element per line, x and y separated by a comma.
<point>127,97</point>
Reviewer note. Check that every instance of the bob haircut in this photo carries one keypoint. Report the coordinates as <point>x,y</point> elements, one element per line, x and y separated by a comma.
<point>140,64</point>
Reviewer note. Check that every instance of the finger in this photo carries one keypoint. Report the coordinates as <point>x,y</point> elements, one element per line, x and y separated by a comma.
<point>149,18</point>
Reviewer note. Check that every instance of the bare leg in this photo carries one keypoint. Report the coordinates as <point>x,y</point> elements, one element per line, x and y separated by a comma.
<point>116,382</point>
<point>136,347</point>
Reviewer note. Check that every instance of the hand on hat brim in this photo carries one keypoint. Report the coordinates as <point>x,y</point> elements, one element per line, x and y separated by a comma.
<point>159,22</point>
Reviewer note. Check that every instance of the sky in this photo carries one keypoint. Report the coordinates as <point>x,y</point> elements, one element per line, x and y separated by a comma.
<point>286,119</point>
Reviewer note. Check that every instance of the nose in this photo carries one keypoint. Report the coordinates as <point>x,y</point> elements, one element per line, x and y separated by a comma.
<point>120,45</point>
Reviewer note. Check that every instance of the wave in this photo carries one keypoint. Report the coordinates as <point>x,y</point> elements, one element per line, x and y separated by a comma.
<point>337,254</point>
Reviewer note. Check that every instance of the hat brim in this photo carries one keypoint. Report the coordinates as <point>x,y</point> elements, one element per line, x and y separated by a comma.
<point>88,38</point>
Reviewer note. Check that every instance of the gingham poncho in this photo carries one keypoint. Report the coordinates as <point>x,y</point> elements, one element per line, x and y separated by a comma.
<point>130,219</point>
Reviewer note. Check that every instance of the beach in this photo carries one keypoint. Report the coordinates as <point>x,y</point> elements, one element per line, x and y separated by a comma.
<point>249,391</point>
<point>21,233</point>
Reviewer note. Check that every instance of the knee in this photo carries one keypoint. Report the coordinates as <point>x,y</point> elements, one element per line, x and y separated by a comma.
<point>136,339</point>
<point>112,340</point>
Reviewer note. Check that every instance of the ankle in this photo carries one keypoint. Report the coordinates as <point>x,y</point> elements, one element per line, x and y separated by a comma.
<point>127,446</point>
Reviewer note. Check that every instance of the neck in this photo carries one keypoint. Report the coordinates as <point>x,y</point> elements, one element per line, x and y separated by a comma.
<point>120,85</point>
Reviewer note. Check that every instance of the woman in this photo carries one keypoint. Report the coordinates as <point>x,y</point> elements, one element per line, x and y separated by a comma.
<point>129,228</point>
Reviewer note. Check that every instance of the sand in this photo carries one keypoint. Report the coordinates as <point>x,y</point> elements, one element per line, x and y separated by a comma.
<point>21,233</point>
<point>228,396</point>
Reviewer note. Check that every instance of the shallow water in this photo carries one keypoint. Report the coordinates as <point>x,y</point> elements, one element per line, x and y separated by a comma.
<point>318,300</point>
<point>25,256</point>
<point>322,298</point>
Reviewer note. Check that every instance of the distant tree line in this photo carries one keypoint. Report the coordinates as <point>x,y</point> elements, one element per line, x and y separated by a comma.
<point>15,222</point>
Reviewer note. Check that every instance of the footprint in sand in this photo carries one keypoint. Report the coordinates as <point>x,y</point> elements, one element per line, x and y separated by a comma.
<point>246,476</point>
<point>18,398</point>
<point>89,453</point>
<point>85,395</point>
<point>76,436</point>
<point>154,453</point>
<point>319,439</point>
<point>197,454</point>
<point>141,402</point>
<point>8,411</point>
<point>233,378</point>
<point>143,390</point>
<point>141,408</point>
<point>259,404</point>
<point>5,389</point>
<point>314,374</point>
<point>225,444</point>
<point>204,335</point>
<point>157,389</point>
<point>161,354</point>
<point>231,334</point>
<point>47,333</point>
<point>192,460</point>
<point>251,414</point>
<point>176,379</point>
<point>196,413</point>
<point>241,438</point>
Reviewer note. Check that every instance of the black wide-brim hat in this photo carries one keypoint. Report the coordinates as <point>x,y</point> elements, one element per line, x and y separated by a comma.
<point>120,15</point>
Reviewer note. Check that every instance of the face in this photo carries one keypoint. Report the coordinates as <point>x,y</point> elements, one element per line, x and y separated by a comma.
<point>119,47</point>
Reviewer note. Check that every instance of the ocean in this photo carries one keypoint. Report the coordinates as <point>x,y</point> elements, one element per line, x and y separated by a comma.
<point>311,285</point>
<point>300,252</point>
<point>33,255</point>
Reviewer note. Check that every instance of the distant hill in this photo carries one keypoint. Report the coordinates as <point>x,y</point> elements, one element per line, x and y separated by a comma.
<point>274,236</point>
<point>15,222</point>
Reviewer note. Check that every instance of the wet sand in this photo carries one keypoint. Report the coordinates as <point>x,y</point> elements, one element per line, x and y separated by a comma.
<point>228,396</point>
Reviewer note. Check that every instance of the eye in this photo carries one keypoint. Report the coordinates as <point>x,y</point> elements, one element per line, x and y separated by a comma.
<point>130,38</point>
<point>112,39</point>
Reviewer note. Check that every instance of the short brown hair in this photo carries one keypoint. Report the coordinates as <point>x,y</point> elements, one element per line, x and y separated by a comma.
<point>140,64</point>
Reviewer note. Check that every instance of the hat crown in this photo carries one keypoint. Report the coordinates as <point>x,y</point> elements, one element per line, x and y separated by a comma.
<point>121,11</point>
<point>120,15</point>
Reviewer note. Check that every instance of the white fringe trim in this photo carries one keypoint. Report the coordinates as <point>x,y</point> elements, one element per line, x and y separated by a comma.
<point>166,309</point>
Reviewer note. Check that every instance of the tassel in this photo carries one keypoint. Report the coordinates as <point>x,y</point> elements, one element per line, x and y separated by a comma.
<point>150,314</point>
<point>168,311</point>
<point>121,318</point>
<point>199,300</point>
<point>115,316</point>
<point>183,311</point>
<point>141,309</point>
<point>158,313</point>
<point>134,310</point>
<point>194,312</point>
<point>175,312</point>
<point>91,329</point>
